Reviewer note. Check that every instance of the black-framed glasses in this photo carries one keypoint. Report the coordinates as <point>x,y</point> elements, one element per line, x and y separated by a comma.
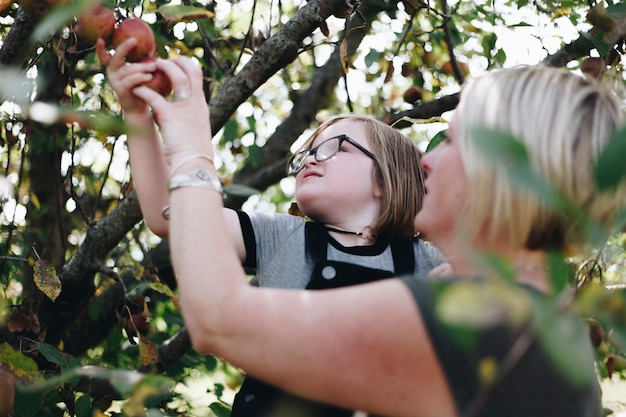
<point>323,152</point>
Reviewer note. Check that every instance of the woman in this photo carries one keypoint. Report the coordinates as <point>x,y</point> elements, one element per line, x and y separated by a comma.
<point>356,177</point>
<point>382,347</point>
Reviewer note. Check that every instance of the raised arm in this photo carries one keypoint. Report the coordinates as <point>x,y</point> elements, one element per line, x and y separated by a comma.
<point>361,348</point>
<point>149,167</point>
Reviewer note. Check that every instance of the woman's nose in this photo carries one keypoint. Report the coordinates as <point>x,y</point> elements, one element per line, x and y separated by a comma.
<point>426,161</point>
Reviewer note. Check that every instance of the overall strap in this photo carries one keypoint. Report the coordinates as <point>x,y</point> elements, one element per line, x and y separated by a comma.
<point>401,250</point>
<point>403,257</point>
<point>316,238</point>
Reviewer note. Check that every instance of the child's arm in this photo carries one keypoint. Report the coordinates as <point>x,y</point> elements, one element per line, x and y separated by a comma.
<point>149,167</point>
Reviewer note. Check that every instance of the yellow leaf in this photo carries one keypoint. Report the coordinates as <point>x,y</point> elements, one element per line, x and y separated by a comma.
<point>562,11</point>
<point>147,350</point>
<point>488,369</point>
<point>162,288</point>
<point>345,58</point>
<point>35,201</point>
<point>46,279</point>
<point>176,302</point>
<point>600,19</point>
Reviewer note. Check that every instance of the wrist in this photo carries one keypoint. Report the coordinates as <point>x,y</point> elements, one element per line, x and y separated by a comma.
<point>139,124</point>
<point>138,115</point>
<point>199,178</point>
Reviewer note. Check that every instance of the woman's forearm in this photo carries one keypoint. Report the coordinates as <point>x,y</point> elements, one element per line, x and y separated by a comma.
<point>208,269</point>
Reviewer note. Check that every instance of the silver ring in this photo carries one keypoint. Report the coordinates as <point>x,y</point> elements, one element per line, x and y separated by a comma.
<point>181,95</point>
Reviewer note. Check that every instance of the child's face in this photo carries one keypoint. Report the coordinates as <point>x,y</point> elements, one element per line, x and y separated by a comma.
<point>343,182</point>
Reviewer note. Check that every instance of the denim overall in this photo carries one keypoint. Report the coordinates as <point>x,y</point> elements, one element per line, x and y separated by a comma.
<point>258,399</point>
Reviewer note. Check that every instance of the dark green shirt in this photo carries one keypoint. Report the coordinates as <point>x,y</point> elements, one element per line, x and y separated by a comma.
<point>533,387</point>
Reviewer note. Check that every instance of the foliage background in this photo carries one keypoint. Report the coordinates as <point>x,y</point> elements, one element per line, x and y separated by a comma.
<point>89,322</point>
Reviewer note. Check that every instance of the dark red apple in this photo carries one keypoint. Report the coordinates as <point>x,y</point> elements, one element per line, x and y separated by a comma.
<point>138,29</point>
<point>412,95</point>
<point>160,82</point>
<point>592,66</point>
<point>96,22</point>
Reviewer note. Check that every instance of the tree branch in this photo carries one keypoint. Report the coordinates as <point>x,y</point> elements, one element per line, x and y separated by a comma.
<point>275,53</point>
<point>306,106</point>
<point>15,47</point>
<point>569,52</point>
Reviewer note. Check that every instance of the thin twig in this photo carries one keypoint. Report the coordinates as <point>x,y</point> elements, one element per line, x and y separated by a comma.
<point>450,43</point>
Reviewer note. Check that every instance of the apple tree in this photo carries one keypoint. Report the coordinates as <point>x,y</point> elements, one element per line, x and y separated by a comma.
<point>89,321</point>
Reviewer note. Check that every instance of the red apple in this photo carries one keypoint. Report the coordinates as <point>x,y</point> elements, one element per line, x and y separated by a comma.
<point>160,82</point>
<point>447,68</point>
<point>138,29</point>
<point>7,388</point>
<point>412,95</point>
<point>592,66</point>
<point>96,22</point>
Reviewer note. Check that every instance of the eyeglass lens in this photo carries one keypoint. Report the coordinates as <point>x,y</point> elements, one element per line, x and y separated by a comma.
<point>322,152</point>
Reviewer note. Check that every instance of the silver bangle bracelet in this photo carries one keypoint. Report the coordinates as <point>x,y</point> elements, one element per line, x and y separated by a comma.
<point>200,178</point>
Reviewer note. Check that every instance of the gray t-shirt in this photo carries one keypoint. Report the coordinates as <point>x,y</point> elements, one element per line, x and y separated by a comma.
<point>277,251</point>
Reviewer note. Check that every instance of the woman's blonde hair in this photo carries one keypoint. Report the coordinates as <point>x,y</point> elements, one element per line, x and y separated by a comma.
<point>564,121</point>
<point>397,172</point>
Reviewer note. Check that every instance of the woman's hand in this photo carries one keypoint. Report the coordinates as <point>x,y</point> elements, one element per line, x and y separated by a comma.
<point>124,77</point>
<point>184,120</point>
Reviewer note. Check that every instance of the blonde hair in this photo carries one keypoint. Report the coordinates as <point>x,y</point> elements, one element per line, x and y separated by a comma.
<point>397,172</point>
<point>564,121</point>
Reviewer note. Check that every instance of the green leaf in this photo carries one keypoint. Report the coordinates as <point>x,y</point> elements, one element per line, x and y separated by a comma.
<point>559,272</point>
<point>610,169</point>
<point>372,57</point>
<point>162,288</point>
<point>251,123</point>
<point>617,10</point>
<point>83,406</point>
<point>607,306</point>
<point>58,18</point>
<point>22,366</point>
<point>565,340</point>
<point>230,131</point>
<point>174,13</point>
<point>123,382</point>
<point>240,190</point>
<point>54,355</point>
<point>27,401</point>
<point>254,155</point>
<point>220,409</point>
<point>436,140</point>
<point>520,25</point>
<point>482,304</point>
